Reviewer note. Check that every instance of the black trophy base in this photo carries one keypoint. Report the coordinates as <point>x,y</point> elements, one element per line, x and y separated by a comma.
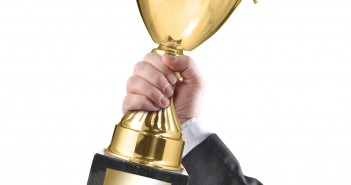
<point>107,170</point>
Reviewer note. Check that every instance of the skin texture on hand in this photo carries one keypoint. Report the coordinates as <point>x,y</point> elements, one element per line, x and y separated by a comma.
<point>150,86</point>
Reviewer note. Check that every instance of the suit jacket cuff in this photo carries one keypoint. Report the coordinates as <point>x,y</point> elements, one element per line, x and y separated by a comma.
<point>211,162</point>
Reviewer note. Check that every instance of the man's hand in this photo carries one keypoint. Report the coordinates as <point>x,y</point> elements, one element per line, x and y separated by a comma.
<point>150,86</point>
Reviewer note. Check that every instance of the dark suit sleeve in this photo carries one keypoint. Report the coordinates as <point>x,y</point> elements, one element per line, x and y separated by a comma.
<point>212,163</point>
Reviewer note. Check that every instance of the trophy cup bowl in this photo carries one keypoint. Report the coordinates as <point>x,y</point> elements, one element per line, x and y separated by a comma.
<point>178,25</point>
<point>155,138</point>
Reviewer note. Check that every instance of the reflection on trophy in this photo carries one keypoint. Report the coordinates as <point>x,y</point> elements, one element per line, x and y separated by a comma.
<point>147,147</point>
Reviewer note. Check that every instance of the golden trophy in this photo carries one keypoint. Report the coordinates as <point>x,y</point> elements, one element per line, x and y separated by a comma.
<point>147,147</point>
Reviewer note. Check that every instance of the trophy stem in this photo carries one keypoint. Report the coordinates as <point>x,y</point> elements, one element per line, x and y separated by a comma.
<point>149,138</point>
<point>172,47</point>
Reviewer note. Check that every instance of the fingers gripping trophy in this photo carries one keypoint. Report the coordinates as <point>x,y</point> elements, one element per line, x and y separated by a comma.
<point>147,147</point>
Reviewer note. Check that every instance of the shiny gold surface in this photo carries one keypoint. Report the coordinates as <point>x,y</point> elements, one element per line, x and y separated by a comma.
<point>155,138</point>
<point>190,22</point>
<point>114,177</point>
<point>160,143</point>
<point>149,138</point>
<point>126,134</point>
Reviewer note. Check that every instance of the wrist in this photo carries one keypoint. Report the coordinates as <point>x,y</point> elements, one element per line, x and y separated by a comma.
<point>187,119</point>
<point>190,115</point>
<point>183,120</point>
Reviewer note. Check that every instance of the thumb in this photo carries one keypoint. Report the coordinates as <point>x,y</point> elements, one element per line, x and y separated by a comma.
<point>184,65</point>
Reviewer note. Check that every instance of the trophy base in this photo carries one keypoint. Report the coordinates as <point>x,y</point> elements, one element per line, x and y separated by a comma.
<point>106,170</point>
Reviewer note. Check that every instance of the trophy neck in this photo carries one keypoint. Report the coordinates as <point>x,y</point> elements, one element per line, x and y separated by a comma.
<point>172,47</point>
<point>162,49</point>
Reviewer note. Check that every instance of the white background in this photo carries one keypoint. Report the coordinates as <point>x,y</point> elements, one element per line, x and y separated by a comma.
<point>278,87</point>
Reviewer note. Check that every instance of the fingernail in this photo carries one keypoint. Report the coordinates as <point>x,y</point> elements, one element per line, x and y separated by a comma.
<point>172,79</point>
<point>168,91</point>
<point>164,101</point>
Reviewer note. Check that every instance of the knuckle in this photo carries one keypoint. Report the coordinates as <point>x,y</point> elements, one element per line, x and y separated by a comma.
<point>147,56</point>
<point>143,101</point>
<point>126,104</point>
<point>151,56</point>
<point>160,82</point>
<point>201,81</point>
<point>131,102</point>
<point>156,95</point>
<point>125,101</point>
<point>131,81</point>
<point>140,66</point>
